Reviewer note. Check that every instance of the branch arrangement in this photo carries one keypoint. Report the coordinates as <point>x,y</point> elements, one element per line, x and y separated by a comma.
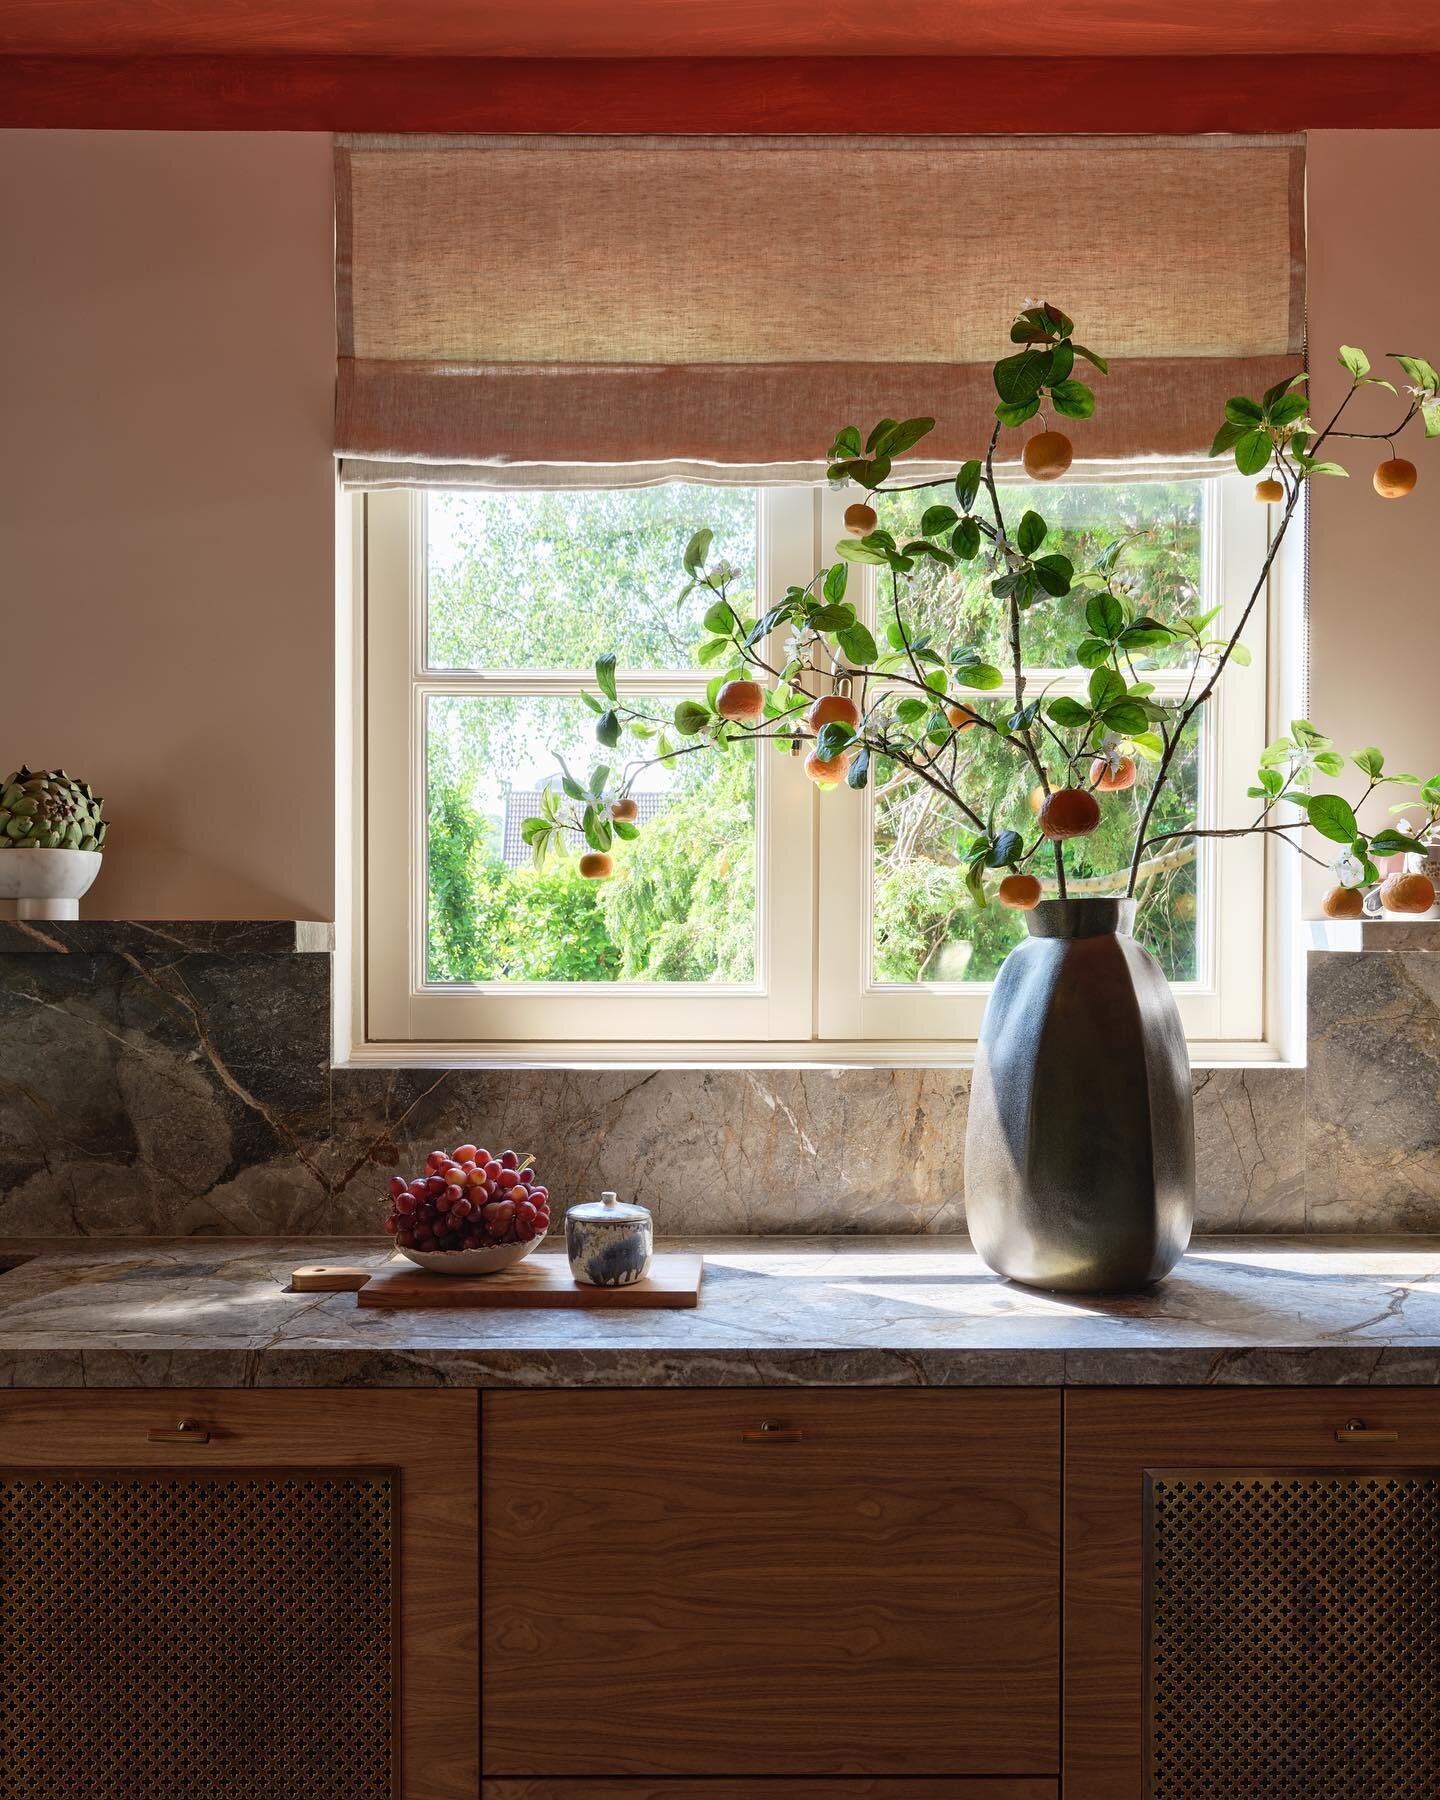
<point>809,676</point>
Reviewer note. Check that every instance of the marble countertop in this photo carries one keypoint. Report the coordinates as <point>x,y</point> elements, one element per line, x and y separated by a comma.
<point>214,1312</point>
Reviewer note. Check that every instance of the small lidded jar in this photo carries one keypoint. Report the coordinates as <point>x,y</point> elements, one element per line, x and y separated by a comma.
<point>609,1242</point>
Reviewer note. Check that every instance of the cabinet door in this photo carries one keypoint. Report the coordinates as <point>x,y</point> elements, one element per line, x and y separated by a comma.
<point>281,1598</point>
<point>1252,1594</point>
<point>728,1583</point>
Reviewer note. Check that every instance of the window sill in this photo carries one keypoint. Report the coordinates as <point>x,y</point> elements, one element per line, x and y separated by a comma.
<point>896,1055</point>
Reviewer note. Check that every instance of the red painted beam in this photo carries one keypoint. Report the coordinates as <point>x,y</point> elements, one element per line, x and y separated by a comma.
<point>909,95</point>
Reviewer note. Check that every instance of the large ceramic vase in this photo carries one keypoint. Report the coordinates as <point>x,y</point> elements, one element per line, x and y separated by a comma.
<point>1080,1152</point>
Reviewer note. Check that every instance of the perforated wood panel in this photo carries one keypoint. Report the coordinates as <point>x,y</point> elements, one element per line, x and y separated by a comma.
<point>172,1636</point>
<point>1293,1636</point>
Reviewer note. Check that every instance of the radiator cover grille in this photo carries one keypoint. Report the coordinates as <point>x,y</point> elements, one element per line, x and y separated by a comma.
<point>216,1634</point>
<point>1293,1635</point>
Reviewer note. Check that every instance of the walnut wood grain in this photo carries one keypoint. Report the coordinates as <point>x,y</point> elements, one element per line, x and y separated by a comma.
<point>878,1596</point>
<point>648,1788</point>
<point>540,1281</point>
<point>1111,1439</point>
<point>428,1437</point>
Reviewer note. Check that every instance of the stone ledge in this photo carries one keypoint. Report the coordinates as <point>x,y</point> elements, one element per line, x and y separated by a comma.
<point>1374,934</point>
<point>164,938</point>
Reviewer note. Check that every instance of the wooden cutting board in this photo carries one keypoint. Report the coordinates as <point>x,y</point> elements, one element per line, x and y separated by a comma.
<point>542,1280</point>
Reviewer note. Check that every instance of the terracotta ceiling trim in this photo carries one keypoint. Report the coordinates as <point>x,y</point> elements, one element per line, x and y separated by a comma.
<point>750,94</point>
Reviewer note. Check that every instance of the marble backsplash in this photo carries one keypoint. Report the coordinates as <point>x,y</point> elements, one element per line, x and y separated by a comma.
<point>175,1079</point>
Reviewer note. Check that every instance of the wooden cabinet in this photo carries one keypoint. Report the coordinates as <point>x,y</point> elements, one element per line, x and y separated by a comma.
<point>1252,1591</point>
<point>237,1592</point>
<point>790,1788</point>
<point>725,1583</point>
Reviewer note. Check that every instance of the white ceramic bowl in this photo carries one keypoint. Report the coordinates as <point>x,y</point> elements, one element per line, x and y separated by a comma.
<point>47,884</point>
<point>488,1261</point>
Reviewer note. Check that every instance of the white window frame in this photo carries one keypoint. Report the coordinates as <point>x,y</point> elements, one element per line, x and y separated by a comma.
<point>812,1000</point>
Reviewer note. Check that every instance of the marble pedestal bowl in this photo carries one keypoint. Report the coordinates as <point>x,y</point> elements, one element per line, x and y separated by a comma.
<point>47,884</point>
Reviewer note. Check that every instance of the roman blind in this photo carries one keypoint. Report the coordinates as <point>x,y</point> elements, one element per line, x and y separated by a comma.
<point>572,311</point>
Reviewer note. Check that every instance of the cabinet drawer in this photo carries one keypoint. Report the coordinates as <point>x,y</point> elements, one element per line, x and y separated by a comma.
<point>797,1788</point>
<point>238,1606</point>
<point>1233,1487</point>
<point>868,1586</point>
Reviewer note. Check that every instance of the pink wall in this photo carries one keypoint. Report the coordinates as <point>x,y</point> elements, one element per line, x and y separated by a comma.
<point>167,509</point>
<point>1374,281</point>
<point>167,504</point>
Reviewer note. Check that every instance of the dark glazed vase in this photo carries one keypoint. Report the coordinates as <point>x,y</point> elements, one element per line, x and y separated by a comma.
<point>1080,1152</point>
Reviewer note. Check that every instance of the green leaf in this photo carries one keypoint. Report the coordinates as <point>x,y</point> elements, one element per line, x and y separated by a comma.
<point>1069,714</point>
<point>1287,410</point>
<point>833,618</point>
<point>697,550</point>
<point>858,645</point>
<point>1243,412</point>
<point>1390,842</point>
<point>858,551</point>
<point>1330,762</point>
<point>1149,744</point>
<point>936,519</point>
<point>1323,468</point>
<point>1356,361</point>
<point>598,833</point>
<point>625,828</point>
<point>1253,452</point>
<point>910,709</point>
<point>607,729</point>
<point>1430,413</point>
<point>1227,437</point>
<point>1145,633</point>
<point>1020,378</point>
<point>1054,574</point>
<point>975,882</point>
<point>691,718</point>
<point>982,677</point>
<point>847,444</point>
<point>720,617</point>
<point>1280,389</point>
<point>1073,399</point>
<point>1126,717</point>
<point>1421,372</point>
<point>1369,761</point>
<point>596,706</point>
<point>1006,847</point>
<point>1105,615</point>
<point>1092,653</point>
<point>834,738</point>
<point>1106,687</point>
<point>858,773</point>
<point>1018,413</point>
<point>605,676</point>
<point>965,539</point>
<point>1305,734</point>
<point>967,484</point>
<point>1096,362</point>
<point>1332,817</point>
<point>1240,656</point>
<point>1030,533</point>
<point>837,578</point>
<point>714,650</point>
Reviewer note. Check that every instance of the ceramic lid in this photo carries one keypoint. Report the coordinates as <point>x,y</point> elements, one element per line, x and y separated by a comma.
<point>607,1210</point>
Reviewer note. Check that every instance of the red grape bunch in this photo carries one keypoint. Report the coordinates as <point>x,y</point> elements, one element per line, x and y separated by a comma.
<point>467,1199</point>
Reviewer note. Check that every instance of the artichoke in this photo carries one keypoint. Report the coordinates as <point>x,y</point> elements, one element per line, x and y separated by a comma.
<point>44,809</point>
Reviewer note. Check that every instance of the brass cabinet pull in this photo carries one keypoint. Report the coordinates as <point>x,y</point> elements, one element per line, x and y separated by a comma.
<point>768,1431</point>
<point>1358,1432</point>
<point>183,1431</point>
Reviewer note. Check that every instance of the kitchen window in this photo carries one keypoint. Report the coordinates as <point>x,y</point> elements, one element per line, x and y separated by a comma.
<point>754,918</point>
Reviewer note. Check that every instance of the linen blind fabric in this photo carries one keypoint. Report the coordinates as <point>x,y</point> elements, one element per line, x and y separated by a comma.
<point>593,311</point>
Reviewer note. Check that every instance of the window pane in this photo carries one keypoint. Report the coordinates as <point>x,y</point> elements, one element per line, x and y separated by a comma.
<point>1159,524</point>
<point>551,581</point>
<point>925,925</point>
<point>680,906</point>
